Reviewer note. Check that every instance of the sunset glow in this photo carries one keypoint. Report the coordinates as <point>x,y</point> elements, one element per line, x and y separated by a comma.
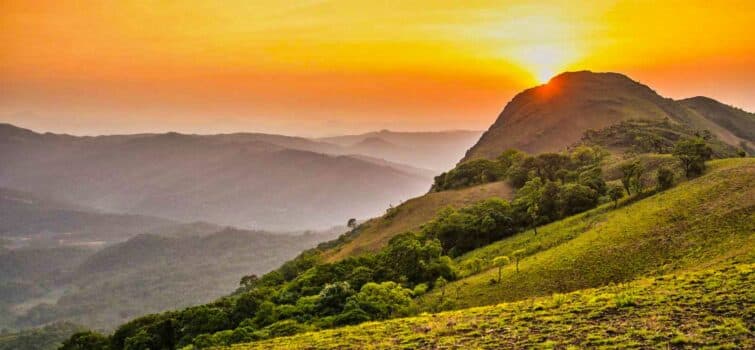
<point>326,67</point>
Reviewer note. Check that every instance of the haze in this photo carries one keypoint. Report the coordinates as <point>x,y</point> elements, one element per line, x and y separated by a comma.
<point>317,68</point>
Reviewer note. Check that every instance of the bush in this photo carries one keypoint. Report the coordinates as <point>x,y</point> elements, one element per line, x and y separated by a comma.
<point>577,198</point>
<point>285,328</point>
<point>470,173</point>
<point>665,178</point>
<point>693,153</point>
<point>85,341</point>
<point>382,300</point>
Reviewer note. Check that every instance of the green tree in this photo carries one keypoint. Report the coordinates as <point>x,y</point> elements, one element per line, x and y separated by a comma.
<point>693,153</point>
<point>85,341</point>
<point>352,223</point>
<point>333,298</point>
<point>509,158</point>
<point>529,196</point>
<point>470,173</point>
<point>441,284</point>
<point>615,192</point>
<point>500,262</point>
<point>665,178</point>
<point>577,198</point>
<point>382,300</point>
<point>249,281</point>
<point>631,175</point>
<point>419,290</point>
<point>518,254</point>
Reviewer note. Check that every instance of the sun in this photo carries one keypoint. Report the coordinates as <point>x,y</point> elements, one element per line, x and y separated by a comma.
<point>542,44</point>
<point>543,61</point>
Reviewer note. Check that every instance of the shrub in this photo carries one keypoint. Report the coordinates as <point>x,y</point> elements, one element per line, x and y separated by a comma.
<point>470,173</point>
<point>693,153</point>
<point>665,178</point>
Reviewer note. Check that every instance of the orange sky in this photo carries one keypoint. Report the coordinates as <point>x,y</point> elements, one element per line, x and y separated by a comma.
<point>328,67</point>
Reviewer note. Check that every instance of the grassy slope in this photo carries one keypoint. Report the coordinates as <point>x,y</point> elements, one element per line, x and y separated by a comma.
<point>702,229</point>
<point>711,307</point>
<point>375,233</point>
<point>699,223</point>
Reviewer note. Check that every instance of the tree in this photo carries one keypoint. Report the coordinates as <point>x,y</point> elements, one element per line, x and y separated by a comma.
<point>249,281</point>
<point>577,198</point>
<point>382,300</point>
<point>631,175</point>
<point>441,283</point>
<point>510,157</point>
<point>419,290</point>
<point>473,265</point>
<point>500,262</point>
<point>518,254</point>
<point>469,173</point>
<point>665,178</point>
<point>529,196</point>
<point>333,298</point>
<point>85,341</point>
<point>615,192</point>
<point>352,223</point>
<point>692,153</point>
<point>533,211</point>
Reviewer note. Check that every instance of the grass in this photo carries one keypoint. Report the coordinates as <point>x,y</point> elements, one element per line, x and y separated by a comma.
<point>671,270</point>
<point>375,234</point>
<point>712,308</point>
<point>700,223</point>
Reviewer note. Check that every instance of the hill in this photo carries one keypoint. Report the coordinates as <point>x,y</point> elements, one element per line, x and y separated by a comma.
<point>696,310</point>
<point>700,223</point>
<point>27,219</point>
<point>436,151</point>
<point>148,273</point>
<point>49,337</point>
<point>551,117</point>
<point>374,234</point>
<point>696,239</point>
<point>739,122</point>
<point>244,180</point>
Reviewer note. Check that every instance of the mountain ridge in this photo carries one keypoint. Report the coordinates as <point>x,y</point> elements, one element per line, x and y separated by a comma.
<point>552,116</point>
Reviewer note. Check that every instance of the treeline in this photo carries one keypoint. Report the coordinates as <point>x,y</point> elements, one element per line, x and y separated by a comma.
<point>518,167</point>
<point>308,294</point>
<point>303,294</point>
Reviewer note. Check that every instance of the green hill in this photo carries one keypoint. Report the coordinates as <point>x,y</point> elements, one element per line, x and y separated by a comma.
<point>708,308</point>
<point>410,215</point>
<point>702,224</point>
<point>699,223</point>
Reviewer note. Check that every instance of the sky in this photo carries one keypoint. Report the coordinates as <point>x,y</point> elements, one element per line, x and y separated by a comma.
<point>320,68</point>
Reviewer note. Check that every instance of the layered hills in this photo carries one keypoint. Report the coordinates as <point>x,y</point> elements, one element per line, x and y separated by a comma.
<point>174,267</point>
<point>244,180</point>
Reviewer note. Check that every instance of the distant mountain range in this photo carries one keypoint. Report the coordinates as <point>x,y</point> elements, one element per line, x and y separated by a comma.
<point>147,273</point>
<point>245,180</point>
<point>27,219</point>
<point>437,151</point>
<point>553,116</point>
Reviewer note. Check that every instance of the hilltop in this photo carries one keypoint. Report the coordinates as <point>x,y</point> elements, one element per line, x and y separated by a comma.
<point>553,116</point>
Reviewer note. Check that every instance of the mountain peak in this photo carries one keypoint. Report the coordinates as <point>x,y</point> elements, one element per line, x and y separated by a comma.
<point>553,116</point>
